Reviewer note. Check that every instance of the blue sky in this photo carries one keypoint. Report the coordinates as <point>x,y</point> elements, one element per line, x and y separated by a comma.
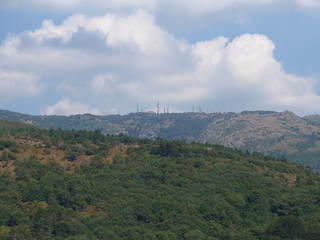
<point>105,56</point>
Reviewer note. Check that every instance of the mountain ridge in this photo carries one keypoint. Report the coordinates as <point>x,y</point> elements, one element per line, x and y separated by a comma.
<point>281,134</point>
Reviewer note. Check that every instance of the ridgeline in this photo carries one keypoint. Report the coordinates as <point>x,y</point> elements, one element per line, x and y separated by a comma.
<point>280,134</point>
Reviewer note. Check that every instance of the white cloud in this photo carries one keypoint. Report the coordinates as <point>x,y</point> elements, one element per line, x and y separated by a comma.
<point>113,61</point>
<point>18,85</point>
<point>209,54</point>
<point>136,30</point>
<point>253,67</point>
<point>64,32</point>
<point>102,83</point>
<point>250,58</point>
<point>309,3</point>
<point>66,107</point>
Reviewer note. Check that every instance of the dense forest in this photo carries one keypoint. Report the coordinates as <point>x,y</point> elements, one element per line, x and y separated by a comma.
<point>68,184</point>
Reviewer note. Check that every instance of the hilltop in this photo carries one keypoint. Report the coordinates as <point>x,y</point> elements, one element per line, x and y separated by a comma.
<point>68,184</point>
<point>281,134</point>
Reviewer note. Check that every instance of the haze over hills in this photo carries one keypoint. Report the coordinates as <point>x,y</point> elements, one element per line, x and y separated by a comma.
<point>281,134</point>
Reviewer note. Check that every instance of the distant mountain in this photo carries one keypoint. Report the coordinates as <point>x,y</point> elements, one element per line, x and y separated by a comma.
<point>281,134</point>
<point>74,185</point>
<point>313,119</point>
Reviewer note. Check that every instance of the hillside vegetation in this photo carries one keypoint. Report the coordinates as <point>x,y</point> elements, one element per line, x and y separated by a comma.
<point>283,134</point>
<point>57,184</point>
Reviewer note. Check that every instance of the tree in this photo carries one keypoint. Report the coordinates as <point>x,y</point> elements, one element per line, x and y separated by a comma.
<point>288,227</point>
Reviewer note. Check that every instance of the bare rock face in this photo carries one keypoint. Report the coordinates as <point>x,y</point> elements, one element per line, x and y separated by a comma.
<point>261,132</point>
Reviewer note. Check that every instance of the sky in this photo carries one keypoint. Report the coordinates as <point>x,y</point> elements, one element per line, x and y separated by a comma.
<point>65,57</point>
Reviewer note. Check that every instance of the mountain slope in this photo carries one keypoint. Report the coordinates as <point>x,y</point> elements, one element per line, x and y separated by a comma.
<point>84,185</point>
<point>281,134</point>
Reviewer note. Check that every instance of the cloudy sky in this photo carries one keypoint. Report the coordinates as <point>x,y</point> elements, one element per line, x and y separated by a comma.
<point>105,56</point>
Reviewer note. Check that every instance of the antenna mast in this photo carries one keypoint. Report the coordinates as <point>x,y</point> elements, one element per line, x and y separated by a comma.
<point>158,108</point>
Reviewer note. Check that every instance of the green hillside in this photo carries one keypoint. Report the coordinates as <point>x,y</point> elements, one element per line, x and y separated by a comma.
<point>71,184</point>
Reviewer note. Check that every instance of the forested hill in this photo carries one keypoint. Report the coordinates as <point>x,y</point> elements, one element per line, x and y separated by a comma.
<point>57,184</point>
<point>281,134</point>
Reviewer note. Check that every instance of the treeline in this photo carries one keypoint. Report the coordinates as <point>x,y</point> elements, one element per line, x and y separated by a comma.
<point>149,190</point>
